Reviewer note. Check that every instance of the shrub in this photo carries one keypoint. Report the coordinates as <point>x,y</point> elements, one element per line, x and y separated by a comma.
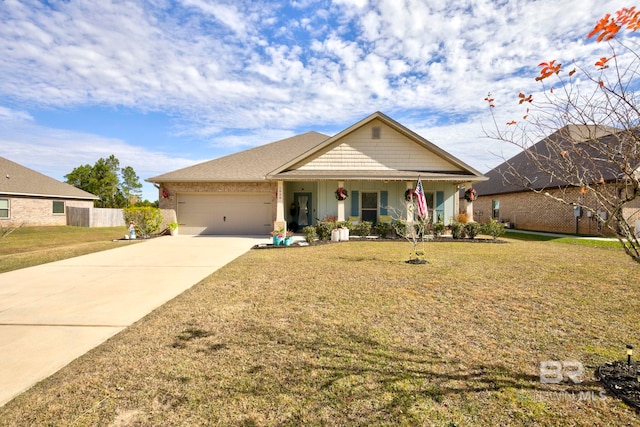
<point>457,230</point>
<point>400,227</point>
<point>146,220</point>
<point>438,229</point>
<point>362,229</point>
<point>309,233</point>
<point>324,228</point>
<point>493,228</point>
<point>462,217</point>
<point>344,224</point>
<point>472,229</point>
<point>382,229</point>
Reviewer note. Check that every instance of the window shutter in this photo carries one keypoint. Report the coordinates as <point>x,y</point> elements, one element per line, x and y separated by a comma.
<point>384,202</point>
<point>355,203</point>
<point>439,205</point>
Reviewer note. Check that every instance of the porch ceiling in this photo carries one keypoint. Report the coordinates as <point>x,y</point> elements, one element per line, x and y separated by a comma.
<point>374,175</point>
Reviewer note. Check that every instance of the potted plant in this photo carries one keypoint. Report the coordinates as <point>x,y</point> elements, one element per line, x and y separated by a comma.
<point>282,237</point>
<point>288,238</point>
<point>173,228</point>
<point>278,236</point>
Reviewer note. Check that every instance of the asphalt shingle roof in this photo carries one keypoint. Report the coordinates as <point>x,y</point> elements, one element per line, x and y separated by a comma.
<point>501,180</point>
<point>18,180</point>
<point>249,165</point>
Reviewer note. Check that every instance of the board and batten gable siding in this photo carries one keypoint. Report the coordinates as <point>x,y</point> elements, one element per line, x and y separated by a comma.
<point>393,151</point>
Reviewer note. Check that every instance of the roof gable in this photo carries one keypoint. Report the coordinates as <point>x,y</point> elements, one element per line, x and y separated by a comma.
<point>392,151</point>
<point>18,180</point>
<point>397,153</point>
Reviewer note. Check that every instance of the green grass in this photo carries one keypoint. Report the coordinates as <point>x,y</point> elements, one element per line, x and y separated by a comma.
<point>29,246</point>
<point>349,334</point>
<point>582,241</point>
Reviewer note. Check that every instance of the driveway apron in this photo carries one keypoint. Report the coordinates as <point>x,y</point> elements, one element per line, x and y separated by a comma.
<point>53,313</point>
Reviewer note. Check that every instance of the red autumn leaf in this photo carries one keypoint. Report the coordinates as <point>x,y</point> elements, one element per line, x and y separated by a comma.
<point>512,122</point>
<point>629,17</point>
<point>572,72</point>
<point>601,63</point>
<point>607,28</point>
<point>601,83</point>
<point>599,26</point>
<point>490,101</point>
<point>548,69</point>
<point>524,98</point>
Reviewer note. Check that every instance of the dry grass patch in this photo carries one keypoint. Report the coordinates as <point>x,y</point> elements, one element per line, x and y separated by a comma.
<point>348,334</point>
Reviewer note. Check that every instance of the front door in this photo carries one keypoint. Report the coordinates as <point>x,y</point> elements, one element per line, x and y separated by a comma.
<point>370,207</point>
<point>301,212</point>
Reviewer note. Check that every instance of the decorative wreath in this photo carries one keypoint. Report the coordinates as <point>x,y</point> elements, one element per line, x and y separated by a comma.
<point>341,193</point>
<point>409,194</point>
<point>165,193</point>
<point>470,195</point>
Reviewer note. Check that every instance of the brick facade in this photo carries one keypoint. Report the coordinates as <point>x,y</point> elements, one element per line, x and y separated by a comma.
<point>27,211</point>
<point>532,211</point>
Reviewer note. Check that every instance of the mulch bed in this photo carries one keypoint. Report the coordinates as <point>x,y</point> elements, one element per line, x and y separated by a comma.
<point>622,381</point>
<point>374,239</point>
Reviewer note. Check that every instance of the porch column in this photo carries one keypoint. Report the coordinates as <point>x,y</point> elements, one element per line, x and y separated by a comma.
<point>341,216</point>
<point>468,206</point>
<point>409,205</point>
<point>280,222</point>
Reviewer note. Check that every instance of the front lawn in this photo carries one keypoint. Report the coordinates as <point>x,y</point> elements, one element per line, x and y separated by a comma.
<point>29,246</point>
<point>349,334</point>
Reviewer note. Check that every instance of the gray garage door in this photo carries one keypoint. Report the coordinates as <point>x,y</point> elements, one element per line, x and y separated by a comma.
<point>248,214</point>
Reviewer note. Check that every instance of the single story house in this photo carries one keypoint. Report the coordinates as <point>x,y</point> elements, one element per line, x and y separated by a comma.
<point>362,173</point>
<point>30,198</point>
<point>515,191</point>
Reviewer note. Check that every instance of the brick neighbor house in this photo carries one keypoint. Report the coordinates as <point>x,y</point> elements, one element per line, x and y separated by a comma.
<point>508,196</point>
<point>30,198</point>
<point>301,179</point>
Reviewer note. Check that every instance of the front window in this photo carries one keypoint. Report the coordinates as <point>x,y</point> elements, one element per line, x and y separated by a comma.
<point>4,208</point>
<point>58,207</point>
<point>495,206</point>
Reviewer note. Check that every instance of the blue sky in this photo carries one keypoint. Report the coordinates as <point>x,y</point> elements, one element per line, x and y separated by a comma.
<point>163,84</point>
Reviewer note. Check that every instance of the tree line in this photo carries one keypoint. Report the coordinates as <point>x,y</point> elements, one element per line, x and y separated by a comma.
<point>115,186</point>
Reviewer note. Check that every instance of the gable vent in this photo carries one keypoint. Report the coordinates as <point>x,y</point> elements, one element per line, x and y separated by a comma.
<point>375,132</point>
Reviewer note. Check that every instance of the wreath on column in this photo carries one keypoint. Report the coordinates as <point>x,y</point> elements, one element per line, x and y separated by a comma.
<point>341,193</point>
<point>470,195</point>
<point>165,193</point>
<point>409,194</point>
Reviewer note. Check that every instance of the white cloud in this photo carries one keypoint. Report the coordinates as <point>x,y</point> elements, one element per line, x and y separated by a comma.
<point>56,152</point>
<point>226,65</point>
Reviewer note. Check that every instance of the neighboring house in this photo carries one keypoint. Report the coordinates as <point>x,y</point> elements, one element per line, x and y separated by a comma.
<point>30,198</point>
<point>509,198</point>
<point>295,181</point>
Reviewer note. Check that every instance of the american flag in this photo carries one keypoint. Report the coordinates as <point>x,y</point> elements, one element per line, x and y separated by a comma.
<point>421,201</point>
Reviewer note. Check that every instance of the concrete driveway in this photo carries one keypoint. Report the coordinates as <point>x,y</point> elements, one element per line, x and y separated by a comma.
<point>56,312</point>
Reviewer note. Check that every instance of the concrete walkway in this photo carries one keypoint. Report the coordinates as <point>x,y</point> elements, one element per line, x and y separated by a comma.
<point>53,313</point>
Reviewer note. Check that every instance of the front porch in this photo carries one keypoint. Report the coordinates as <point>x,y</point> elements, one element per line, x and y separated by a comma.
<point>301,203</point>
